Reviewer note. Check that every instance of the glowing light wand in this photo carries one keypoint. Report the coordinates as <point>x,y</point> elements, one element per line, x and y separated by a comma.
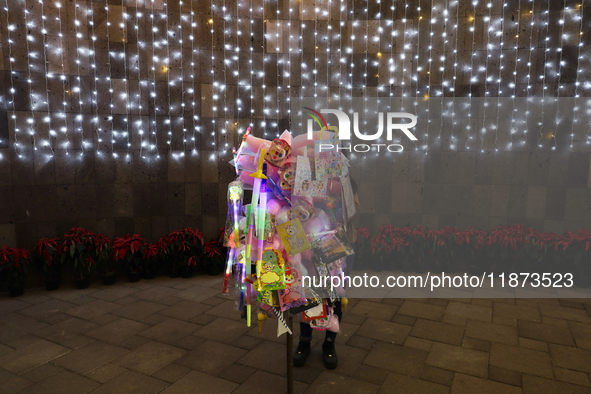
<point>235,193</point>
<point>242,144</point>
<point>261,219</point>
<point>256,190</point>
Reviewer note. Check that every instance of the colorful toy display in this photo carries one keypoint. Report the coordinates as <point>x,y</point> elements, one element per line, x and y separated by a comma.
<point>292,229</point>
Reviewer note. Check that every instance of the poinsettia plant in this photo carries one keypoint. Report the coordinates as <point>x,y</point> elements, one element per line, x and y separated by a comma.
<point>183,248</point>
<point>363,244</point>
<point>128,251</point>
<point>14,264</point>
<point>212,255</point>
<point>390,246</point>
<point>100,251</point>
<point>46,256</point>
<point>152,256</point>
<point>75,250</point>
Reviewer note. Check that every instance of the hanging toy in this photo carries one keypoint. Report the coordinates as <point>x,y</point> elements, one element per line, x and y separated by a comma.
<point>280,317</point>
<point>272,276</point>
<point>344,303</point>
<point>278,153</point>
<point>287,177</point>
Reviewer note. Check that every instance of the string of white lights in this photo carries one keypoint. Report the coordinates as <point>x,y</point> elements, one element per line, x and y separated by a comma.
<point>153,126</point>
<point>472,79</point>
<point>138,63</point>
<point>12,90</point>
<point>251,49</point>
<point>193,90</point>
<point>167,68</point>
<point>416,76</point>
<point>444,43</point>
<point>559,87</point>
<point>280,61</point>
<point>287,69</point>
<point>111,105</point>
<point>95,119</point>
<point>513,129</point>
<point>30,119</point>
<point>576,108</point>
<point>391,63</point>
<point>181,42</point>
<point>48,75</point>
<point>64,128</point>
<point>123,55</point>
<point>453,109</point>
<point>501,35</point>
<point>78,88</point>
<point>529,62</point>
<point>489,28</point>
<point>215,87</point>
<point>225,86</point>
<point>543,76</point>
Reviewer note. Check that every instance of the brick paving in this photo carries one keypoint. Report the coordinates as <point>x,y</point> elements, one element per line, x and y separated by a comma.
<point>177,336</point>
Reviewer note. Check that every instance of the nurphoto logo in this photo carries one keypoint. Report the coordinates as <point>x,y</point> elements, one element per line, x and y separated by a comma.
<point>344,130</point>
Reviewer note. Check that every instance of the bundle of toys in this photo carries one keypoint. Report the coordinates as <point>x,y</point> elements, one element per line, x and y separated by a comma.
<point>287,248</point>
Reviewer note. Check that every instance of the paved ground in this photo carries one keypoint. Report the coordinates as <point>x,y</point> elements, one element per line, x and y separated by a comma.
<point>182,336</point>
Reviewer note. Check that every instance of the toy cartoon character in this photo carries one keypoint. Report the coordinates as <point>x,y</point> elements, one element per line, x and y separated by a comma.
<point>272,271</point>
<point>269,227</point>
<point>287,176</point>
<point>292,237</point>
<point>303,209</point>
<point>293,295</point>
<point>278,153</point>
<point>235,191</point>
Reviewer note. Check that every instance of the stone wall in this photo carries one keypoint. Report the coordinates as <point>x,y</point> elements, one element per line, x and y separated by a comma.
<point>118,186</point>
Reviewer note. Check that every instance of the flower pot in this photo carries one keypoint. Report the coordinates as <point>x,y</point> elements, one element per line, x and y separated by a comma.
<point>173,272</point>
<point>82,283</point>
<point>15,291</point>
<point>52,284</point>
<point>134,276</point>
<point>109,280</point>
<point>186,272</point>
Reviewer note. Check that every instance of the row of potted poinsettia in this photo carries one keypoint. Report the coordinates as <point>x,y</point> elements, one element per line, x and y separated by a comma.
<point>507,248</point>
<point>87,254</point>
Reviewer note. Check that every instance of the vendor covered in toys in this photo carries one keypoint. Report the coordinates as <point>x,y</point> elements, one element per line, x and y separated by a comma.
<point>301,202</point>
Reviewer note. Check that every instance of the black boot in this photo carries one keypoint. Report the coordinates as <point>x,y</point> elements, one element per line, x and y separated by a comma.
<point>301,353</point>
<point>329,355</point>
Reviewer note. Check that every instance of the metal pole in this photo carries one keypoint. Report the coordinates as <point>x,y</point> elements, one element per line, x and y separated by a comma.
<point>289,339</point>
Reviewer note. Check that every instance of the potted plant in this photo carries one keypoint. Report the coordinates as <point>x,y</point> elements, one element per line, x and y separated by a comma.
<point>151,258</point>
<point>212,258</point>
<point>184,248</point>
<point>418,248</point>
<point>381,248</point>
<point>442,248</point>
<point>101,253</point>
<point>14,265</point>
<point>128,251</point>
<point>46,258</point>
<point>362,248</point>
<point>577,249</point>
<point>75,251</point>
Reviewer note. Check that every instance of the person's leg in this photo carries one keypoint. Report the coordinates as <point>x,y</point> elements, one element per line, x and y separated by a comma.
<point>329,354</point>
<point>303,350</point>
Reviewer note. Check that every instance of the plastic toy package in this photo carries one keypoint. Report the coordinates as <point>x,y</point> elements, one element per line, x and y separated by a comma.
<point>286,244</point>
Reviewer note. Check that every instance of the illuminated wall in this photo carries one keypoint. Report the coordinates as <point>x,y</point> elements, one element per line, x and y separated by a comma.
<point>119,115</point>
